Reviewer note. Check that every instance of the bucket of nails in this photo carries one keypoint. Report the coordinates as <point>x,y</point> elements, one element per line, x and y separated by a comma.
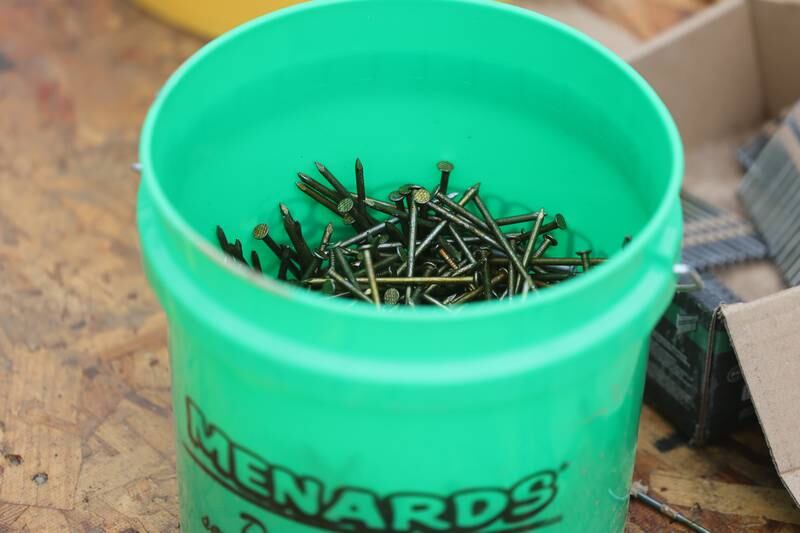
<point>411,253</point>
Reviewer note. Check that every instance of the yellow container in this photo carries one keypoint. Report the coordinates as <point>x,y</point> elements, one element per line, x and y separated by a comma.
<point>211,17</point>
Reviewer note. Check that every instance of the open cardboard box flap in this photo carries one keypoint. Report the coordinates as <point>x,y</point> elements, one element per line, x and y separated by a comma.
<point>723,74</point>
<point>766,340</point>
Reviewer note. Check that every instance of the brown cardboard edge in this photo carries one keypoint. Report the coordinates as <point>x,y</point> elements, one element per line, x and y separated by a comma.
<point>789,478</point>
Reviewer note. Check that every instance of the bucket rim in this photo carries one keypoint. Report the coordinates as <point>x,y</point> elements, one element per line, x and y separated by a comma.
<point>268,285</point>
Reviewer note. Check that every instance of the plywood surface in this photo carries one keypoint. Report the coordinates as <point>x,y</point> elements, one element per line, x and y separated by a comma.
<point>85,417</point>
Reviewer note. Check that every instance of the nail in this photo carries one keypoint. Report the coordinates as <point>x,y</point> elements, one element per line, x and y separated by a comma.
<point>471,295</point>
<point>347,207</point>
<point>261,233</point>
<point>393,231</point>
<point>468,194</point>
<point>313,184</point>
<point>464,224</point>
<point>329,288</point>
<point>378,205</point>
<point>284,265</point>
<point>352,289</point>
<point>236,251</point>
<point>445,167</point>
<point>461,243</point>
<point>391,297</point>
<point>404,281</point>
<point>512,274</point>
<point>340,189</point>
<point>255,261</point>
<point>295,232</point>
<point>487,216</point>
<point>559,222</point>
<point>549,241</point>
<point>402,215</point>
<point>448,301</point>
<point>641,495</point>
<point>447,258</point>
<point>537,226</point>
<point>427,270</point>
<point>430,299</point>
<point>223,240</point>
<point>321,199</point>
<point>343,265</point>
<point>517,219</point>
<point>416,198</point>
<point>466,269</point>
<point>486,278</point>
<point>320,253</point>
<point>380,265</point>
<point>449,248</point>
<point>364,235</point>
<point>324,242</point>
<point>551,261</point>
<point>360,187</point>
<point>585,259</point>
<point>366,254</point>
<point>398,199</point>
<point>332,260</point>
<point>406,189</point>
<point>462,211</point>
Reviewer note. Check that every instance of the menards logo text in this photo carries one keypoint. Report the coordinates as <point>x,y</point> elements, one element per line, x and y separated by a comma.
<point>305,499</point>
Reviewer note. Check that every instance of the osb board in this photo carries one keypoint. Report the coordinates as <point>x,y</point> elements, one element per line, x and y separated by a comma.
<point>85,420</point>
<point>85,417</point>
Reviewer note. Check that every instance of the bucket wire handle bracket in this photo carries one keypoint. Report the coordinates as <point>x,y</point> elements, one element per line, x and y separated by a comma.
<point>696,283</point>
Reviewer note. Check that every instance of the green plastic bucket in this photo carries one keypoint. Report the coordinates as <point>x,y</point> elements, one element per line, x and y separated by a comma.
<point>297,414</point>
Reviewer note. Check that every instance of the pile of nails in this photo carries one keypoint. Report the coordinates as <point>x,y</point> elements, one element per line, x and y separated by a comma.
<point>427,248</point>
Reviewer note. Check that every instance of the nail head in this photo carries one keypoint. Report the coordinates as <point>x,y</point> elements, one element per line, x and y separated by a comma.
<point>260,231</point>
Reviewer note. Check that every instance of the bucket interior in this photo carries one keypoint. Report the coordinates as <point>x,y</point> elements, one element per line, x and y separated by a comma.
<point>539,115</point>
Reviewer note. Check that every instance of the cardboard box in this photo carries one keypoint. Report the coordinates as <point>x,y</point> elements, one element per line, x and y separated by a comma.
<point>693,377</point>
<point>723,74</point>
